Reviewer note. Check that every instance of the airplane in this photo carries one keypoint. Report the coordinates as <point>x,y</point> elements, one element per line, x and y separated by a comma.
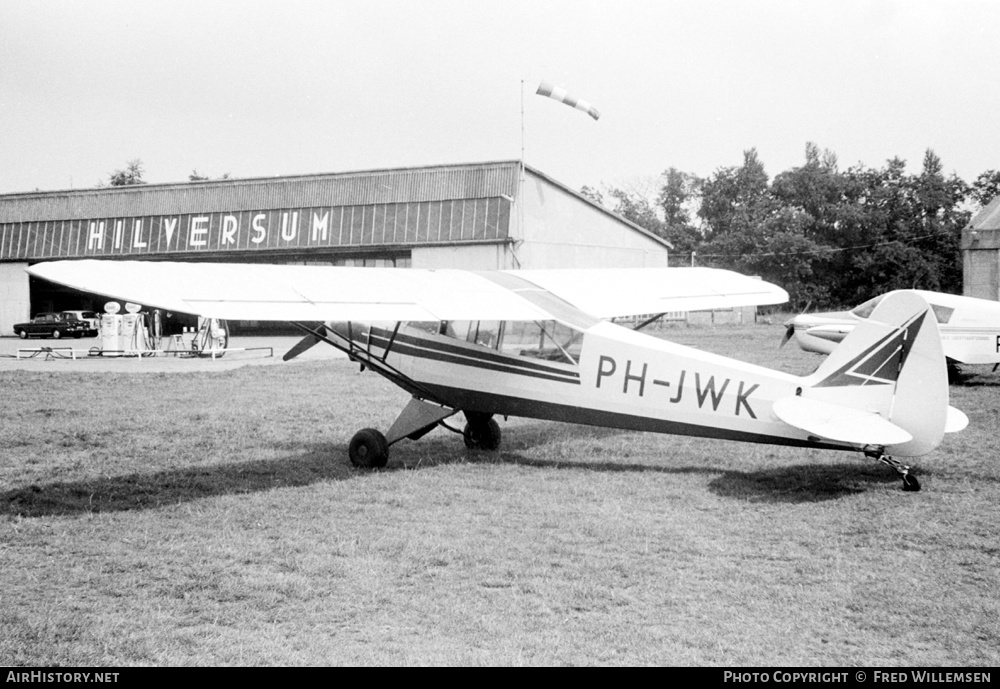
<point>537,343</point>
<point>970,328</point>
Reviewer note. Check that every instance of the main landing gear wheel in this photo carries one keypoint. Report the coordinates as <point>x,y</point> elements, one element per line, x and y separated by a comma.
<point>368,449</point>
<point>482,434</point>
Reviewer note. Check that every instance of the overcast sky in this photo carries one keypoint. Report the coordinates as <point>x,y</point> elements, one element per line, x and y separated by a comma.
<point>255,88</point>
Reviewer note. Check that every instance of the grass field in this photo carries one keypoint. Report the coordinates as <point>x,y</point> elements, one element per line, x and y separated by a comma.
<point>213,519</point>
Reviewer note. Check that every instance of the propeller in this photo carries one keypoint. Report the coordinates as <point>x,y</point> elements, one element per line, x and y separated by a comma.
<point>789,334</point>
<point>790,326</point>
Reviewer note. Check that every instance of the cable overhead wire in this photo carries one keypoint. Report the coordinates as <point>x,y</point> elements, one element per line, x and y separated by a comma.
<point>827,250</point>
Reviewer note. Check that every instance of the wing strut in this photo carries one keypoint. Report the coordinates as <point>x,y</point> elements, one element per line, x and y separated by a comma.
<point>650,320</point>
<point>345,342</point>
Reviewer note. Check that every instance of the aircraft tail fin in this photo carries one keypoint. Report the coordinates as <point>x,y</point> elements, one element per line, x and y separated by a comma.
<point>892,365</point>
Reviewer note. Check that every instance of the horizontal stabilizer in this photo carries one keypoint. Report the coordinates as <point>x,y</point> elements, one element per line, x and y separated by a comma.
<point>955,421</point>
<point>840,423</point>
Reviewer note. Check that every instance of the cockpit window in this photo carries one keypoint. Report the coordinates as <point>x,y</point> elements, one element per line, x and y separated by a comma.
<point>865,310</point>
<point>484,333</point>
<point>549,340</point>
<point>942,313</point>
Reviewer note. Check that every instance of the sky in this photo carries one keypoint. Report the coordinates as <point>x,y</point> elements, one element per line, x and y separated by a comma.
<point>256,88</point>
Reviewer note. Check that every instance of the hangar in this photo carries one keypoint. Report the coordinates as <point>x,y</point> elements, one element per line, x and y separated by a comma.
<point>481,216</point>
<point>981,253</point>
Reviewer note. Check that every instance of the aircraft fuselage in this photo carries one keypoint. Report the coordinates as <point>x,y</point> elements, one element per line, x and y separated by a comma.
<point>613,377</point>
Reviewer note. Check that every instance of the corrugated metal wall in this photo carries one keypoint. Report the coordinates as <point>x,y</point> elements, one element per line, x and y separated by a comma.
<point>384,208</point>
<point>480,180</point>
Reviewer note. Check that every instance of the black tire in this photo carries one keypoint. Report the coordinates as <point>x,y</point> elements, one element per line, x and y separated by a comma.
<point>910,483</point>
<point>368,449</point>
<point>23,334</point>
<point>56,334</point>
<point>482,435</point>
<point>954,373</point>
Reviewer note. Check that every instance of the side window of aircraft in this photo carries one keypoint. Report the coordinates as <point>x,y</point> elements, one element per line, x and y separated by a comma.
<point>427,326</point>
<point>457,329</point>
<point>865,310</point>
<point>548,340</point>
<point>484,333</point>
<point>942,313</point>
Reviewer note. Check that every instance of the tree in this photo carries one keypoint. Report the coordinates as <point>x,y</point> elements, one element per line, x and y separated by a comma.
<point>592,194</point>
<point>986,187</point>
<point>677,194</point>
<point>195,177</point>
<point>735,199</point>
<point>132,174</point>
<point>638,209</point>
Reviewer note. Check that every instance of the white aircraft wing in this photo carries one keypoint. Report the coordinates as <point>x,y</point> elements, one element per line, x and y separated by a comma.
<point>326,293</point>
<point>610,292</point>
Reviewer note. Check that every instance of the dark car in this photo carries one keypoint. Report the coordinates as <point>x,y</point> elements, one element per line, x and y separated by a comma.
<point>53,325</point>
<point>91,321</point>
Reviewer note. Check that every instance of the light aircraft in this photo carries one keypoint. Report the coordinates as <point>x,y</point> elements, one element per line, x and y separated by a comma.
<point>970,327</point>
<point>533,343</point>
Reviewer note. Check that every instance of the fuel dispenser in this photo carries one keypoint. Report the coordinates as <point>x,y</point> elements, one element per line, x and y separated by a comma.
<point>212,337</point>
<point>111,330</point>
<point>124,335</point>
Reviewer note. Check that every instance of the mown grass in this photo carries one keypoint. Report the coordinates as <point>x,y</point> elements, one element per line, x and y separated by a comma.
<point>213,519</point>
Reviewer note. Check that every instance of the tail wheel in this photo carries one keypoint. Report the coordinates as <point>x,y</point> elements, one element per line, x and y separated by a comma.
<point>368,449</point>
<point>482,435</point>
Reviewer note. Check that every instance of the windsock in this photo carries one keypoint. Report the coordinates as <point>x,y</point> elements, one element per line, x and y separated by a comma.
<point>558,93</point>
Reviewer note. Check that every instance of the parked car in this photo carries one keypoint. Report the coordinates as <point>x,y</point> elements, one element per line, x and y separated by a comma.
<point>51,325</point>
<point>90,319</point>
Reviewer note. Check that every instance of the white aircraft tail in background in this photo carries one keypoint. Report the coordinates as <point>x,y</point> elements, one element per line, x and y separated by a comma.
<point>970,327</point>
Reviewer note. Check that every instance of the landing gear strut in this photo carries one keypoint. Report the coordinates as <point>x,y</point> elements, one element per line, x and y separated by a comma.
<point>910,482</point>
<point>369,448</point>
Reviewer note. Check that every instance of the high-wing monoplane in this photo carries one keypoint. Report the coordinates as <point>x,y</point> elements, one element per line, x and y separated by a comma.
<point>969,327</point>
<point>536,343</point>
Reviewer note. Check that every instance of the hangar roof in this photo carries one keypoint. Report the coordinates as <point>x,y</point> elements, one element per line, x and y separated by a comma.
<point>442,204</point>
<point>988,218</point>
<point>434,183</point>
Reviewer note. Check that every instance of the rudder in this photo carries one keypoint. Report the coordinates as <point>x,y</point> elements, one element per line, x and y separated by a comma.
<point>892,364</point>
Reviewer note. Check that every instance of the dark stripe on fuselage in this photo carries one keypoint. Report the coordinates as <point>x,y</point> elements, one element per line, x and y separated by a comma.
<point>505,405</point>
<point>420,353</point>
<point>478,357</point>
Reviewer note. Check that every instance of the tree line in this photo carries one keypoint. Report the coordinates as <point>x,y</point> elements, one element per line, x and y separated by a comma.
<point>831,238</point>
